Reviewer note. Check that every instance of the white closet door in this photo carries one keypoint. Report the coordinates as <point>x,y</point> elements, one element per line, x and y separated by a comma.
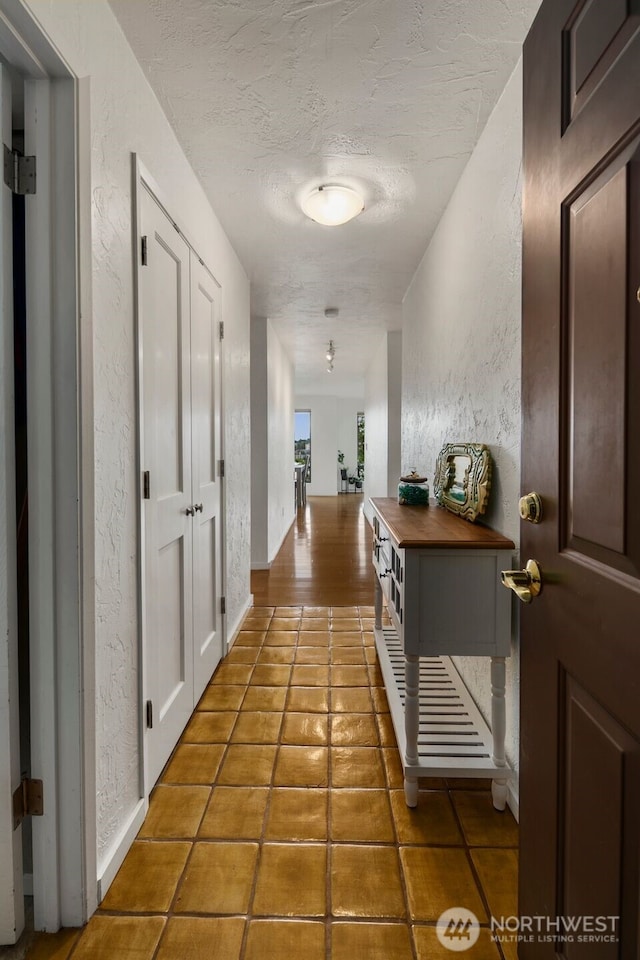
<point>205,427</point>
<point>11,896</point>
<point>166,454</point>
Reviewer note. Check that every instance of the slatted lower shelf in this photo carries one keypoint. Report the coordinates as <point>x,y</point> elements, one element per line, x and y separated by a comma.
<point>453,738</point>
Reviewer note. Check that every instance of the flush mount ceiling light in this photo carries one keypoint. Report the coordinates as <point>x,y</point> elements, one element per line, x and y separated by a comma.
<point>332,204</point>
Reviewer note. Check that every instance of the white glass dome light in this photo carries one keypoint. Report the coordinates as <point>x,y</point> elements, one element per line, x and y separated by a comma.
<point>332,204</point>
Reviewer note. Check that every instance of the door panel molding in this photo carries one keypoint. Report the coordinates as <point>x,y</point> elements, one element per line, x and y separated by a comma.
<point>167,454</point>
<point>599,755</point>
<point>206,395</point>
<point>593,39</point>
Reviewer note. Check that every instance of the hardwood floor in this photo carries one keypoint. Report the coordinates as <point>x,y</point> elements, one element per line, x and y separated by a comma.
<point>325,559</point>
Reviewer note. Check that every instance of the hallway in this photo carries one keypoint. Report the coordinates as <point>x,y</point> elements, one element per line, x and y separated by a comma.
<point>278,829</point>
<point>325,558</point>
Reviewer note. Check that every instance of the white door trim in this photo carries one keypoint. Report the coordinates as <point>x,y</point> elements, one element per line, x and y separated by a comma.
<point>61,537</point>
<point>11,839</point>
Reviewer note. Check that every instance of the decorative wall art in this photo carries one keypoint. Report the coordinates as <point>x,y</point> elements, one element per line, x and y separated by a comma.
<point>463,479</point>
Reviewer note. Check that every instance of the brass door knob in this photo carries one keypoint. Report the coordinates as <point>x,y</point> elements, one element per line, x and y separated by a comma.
<point>527,583</point>
<point>531,507</point>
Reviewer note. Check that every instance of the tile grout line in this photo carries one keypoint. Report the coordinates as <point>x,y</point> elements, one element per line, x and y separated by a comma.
<point>252,893</point>
<point>370,668</point>
<point>403,880</point>
<point>329,841</point>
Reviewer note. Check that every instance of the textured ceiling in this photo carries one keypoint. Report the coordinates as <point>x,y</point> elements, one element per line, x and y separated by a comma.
<point>268,97</point>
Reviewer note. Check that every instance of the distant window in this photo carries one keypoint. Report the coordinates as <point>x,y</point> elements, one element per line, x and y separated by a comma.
<point>302,438</point>
<point>360,429</point>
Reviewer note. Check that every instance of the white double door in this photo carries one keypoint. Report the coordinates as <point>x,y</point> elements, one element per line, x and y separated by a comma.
<point>181,453</point>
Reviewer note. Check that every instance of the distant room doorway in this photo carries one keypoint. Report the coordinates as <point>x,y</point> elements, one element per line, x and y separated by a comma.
<point>302,439</point>
<point>360,446</point>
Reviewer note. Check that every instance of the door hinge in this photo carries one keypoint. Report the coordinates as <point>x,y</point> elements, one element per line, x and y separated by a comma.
<point>223,604</point>
<point>221,326</point>
<point>19,172</point>
<point>149,712</point>
<point>221,468</point>
<point>144,256</point>
<point>146,486</point>
<point>28,801</point>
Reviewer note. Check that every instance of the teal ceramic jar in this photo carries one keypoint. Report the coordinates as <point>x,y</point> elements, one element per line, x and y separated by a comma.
<point>413,490</point>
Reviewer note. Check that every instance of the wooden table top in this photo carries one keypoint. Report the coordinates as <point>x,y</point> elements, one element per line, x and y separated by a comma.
<point>434,526</point>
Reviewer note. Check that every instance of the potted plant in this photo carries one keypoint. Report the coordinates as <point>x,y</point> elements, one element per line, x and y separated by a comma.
<point>343,472</point>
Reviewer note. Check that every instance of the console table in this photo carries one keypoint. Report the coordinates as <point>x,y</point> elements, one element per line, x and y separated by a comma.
<point>440,577</point>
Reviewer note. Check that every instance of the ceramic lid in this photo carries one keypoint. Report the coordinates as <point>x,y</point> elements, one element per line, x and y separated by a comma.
<point>412,478</point>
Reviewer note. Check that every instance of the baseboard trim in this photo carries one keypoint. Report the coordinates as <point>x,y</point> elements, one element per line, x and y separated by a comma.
<point>284,536</point>
<point>232,633</point>
<point>108,870</point>
<point>513,798</point>
<point>261,566</point>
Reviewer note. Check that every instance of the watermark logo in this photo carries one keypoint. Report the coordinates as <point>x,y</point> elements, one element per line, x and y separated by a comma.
<point>555,930</point>
<point>458,929</point>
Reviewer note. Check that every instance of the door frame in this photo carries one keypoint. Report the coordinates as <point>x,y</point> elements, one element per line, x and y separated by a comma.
<point>143,180</point>
<point>11,839</point>
<point>61,472</point>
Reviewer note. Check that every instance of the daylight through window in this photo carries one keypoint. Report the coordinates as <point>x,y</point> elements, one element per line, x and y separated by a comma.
<point>302,438</point>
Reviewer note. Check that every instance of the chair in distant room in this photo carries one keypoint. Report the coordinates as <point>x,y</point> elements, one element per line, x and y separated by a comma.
<point>298,485</point>
<point>305,481</point>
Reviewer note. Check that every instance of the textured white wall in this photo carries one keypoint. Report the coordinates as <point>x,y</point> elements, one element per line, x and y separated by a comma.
<point>394,411</point>
<point>461,340</point>
<point>259,445</point>
<point>126,117</point>
<point>324,443</point>
<point>383,402</point>
<point>281,508</point>
<point>376,426</point>
<point>272,499</point>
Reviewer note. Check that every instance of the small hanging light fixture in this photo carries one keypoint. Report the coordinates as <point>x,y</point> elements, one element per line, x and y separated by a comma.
<point>331,352</point>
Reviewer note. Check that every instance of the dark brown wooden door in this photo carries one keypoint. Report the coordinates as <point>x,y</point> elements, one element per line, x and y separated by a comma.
<point>580,759</point>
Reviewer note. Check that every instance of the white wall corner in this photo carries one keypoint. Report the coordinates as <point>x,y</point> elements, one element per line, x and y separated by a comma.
<point>114,859</point>
<point>236,627</point>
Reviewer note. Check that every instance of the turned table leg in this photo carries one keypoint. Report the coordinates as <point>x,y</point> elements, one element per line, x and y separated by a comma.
<point>498,728</point>
<point>411,725</point>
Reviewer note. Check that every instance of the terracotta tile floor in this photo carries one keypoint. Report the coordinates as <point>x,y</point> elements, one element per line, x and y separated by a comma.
<point>279,830</point>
